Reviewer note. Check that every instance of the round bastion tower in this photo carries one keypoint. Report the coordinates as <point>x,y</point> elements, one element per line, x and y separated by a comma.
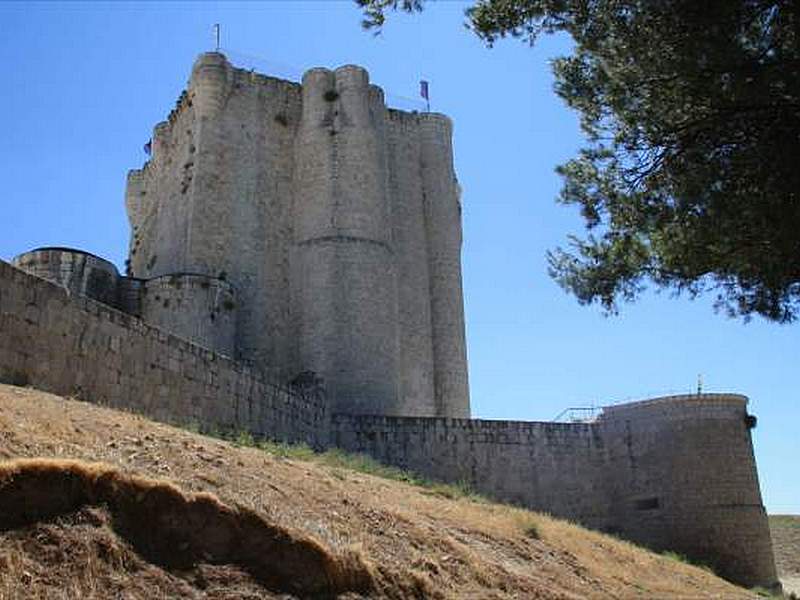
<point>682,476</point>
<point>346,284</point>
<point>81,273</point>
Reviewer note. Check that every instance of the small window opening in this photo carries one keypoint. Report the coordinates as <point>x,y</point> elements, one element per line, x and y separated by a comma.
<point>647,504</point>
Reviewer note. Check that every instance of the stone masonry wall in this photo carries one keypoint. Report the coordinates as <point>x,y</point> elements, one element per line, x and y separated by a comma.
<point>215,199</point>
<point>550,466</point>
<point>197,308</point>
<point>74,346</point>
<point>79,272</point>
<point>674,473</point>
<point>409,240</point>
<point>681,475</point>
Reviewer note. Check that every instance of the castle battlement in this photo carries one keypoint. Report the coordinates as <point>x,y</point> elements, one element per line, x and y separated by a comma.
<point>682,406</point>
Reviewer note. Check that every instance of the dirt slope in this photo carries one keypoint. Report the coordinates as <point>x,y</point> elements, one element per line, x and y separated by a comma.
<point>785,531</point>
<point>172,514</point>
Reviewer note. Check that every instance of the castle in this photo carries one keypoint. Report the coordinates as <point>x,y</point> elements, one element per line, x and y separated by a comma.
<point>294,271</point>
<point>303,228</point>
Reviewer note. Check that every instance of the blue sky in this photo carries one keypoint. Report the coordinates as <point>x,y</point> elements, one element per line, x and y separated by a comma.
<point>83,84</point>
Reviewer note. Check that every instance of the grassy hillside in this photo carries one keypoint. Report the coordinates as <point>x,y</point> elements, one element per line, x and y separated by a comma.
<point>125,507</point>
<point>785,530</point>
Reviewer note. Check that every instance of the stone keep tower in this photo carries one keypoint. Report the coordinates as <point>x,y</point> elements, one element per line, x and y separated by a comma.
<point>335,221</point>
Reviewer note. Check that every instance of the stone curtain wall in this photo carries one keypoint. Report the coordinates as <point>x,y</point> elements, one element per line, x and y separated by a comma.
<point>550,466</point>
<point>672,474</point>
<point>74,346</point>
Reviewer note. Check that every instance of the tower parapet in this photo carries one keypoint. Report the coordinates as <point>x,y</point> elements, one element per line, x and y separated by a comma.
<point>209,84</point>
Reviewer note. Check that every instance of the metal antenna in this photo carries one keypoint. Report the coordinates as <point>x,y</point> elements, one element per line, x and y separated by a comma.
<point>216,36</point>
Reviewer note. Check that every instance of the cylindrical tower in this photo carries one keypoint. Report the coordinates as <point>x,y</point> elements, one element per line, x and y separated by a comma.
<point>81,273</point>
<point>209,84</point>
<point>179,217</point>
<point>682,476</point>
<point>411,258</point>
<point>344,277</point>
<point>136,197</point>
<point>209,209</point>
<point>443,219</point>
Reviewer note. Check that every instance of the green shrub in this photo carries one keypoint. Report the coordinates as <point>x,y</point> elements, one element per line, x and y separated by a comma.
<point>245,439</point>
<point>339,459</point>
<point>686,560</point>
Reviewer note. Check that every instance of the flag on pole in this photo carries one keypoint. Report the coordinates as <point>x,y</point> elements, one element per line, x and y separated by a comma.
<point>423,91</point>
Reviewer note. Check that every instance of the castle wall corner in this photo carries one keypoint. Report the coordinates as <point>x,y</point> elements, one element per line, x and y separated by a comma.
<point>197,308</point>
<point>682,476</point>
<point>49,336</point>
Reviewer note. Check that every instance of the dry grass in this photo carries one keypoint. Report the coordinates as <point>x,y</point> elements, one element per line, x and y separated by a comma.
<point>410,541</point>
<point>175,530</point>
<point>785,531</point>
<point>81,556</point>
